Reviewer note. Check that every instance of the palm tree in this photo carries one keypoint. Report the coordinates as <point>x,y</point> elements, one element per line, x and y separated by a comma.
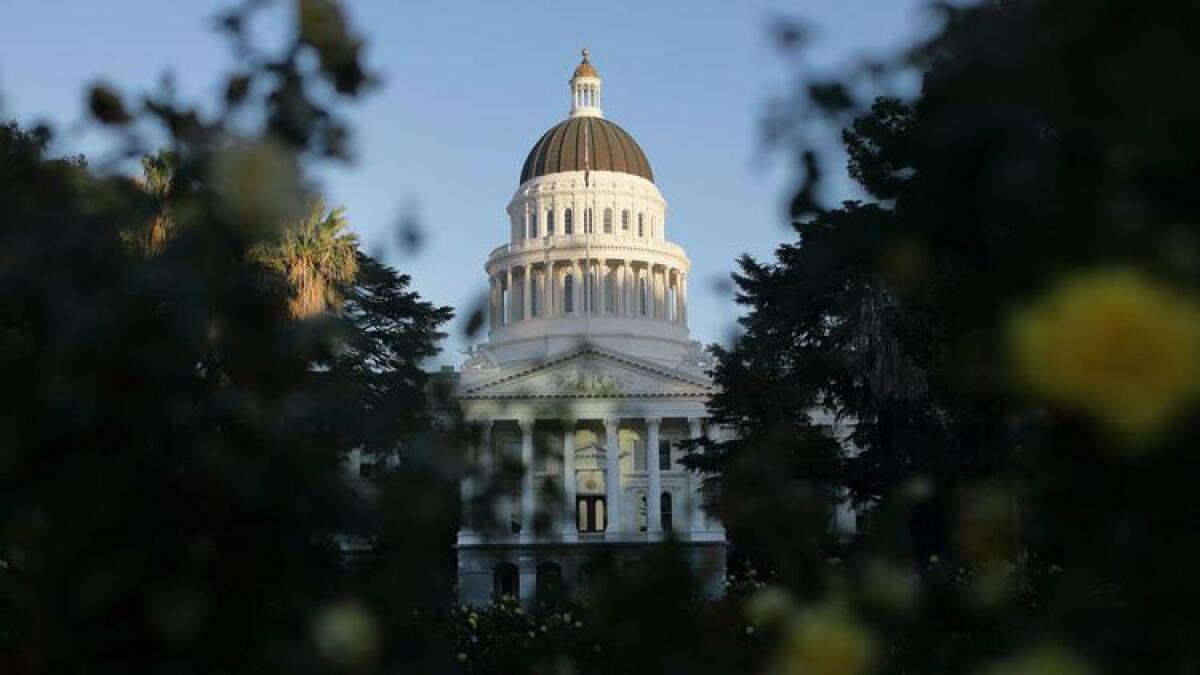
<point>158,176</point>
<point>317,256</point>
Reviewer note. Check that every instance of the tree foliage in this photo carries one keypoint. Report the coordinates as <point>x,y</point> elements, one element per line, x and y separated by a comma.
<point>172,490</point>
<point>1035,192</point>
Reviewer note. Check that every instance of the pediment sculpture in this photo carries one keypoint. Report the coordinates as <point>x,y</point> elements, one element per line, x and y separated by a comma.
<point>698,358</point>
<point>592,380</point>
<point>479,357</point>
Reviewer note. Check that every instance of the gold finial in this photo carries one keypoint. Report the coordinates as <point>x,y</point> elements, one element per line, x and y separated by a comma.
<point>586,54</point>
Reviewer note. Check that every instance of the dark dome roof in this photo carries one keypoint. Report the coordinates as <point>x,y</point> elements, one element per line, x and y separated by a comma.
<point>561,149</point>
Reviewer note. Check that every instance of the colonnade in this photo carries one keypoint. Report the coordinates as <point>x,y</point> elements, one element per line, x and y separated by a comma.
<point>559,288</point>
<point>484,459</point>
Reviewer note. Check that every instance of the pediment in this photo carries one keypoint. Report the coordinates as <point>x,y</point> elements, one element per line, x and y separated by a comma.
<point>591,373</point>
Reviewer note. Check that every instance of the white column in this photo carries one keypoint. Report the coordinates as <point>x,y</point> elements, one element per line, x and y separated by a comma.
<point>570,503</point>
<point>486,464</point>
<point>619,288</point>
<point>612,475</point>
<point>548,299</point>
<point>662,293</point>
<point>695,496</point>
<point>653,511</point>
<point>673,281</point>
<point>683,298</point>
<point>526,290</point>
<point>602,288</point>
<point>527,504</point>
<point>468,484</point>
<point>577,292</point>
<point>512,297</point>
<point>493,314</point>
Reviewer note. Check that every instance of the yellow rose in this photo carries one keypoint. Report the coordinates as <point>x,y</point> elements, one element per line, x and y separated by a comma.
<point>1047,659</point>
<point>770,605</point>
<point>825,640</point>
<point>1114,345</point>
<point>346,634</point>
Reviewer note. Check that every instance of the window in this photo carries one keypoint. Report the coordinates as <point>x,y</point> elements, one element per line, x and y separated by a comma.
<point>590,513</point>
<point>665,512</point>
<point>589,572</point>
<point>506,580</point>
<point>549,222</point>
<point>568,222</point>
<point>607,221</point>
<point>533,225</point>
<point>625,220</point>
<point>366,468</point>
<point>664,455</point>
<point>549,590</point>
<point>535,299</point>
<point>569,293</point>
<point>643,296</point>
<point>587,220</point>
<point>639,455</point>
<point>641,224</point>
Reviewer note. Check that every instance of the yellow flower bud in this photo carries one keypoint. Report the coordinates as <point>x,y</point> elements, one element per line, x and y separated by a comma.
<point>826,640</point>
<point>1115,346</point>
<point>346,634</point>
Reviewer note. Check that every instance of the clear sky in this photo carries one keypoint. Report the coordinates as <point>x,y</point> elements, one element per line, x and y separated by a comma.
<point>468,87</point>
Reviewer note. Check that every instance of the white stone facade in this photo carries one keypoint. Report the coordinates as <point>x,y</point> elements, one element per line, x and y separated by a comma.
<point>587,381</point>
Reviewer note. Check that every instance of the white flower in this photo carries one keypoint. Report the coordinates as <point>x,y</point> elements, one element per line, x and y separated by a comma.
<point>259,184</point>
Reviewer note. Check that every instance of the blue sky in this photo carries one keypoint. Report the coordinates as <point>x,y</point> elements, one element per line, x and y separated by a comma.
<point>468,87</point>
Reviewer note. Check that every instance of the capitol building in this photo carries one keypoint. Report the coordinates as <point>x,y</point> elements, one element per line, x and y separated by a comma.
<point>588,379</point>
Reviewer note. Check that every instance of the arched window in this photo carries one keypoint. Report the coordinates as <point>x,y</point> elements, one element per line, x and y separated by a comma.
<point>533,233</point>
<point>549,591</point>
<point>641,224</point>
<point>666,516</point>
<point>569,293</point>
<point>643,296</point>
<point>643,514</point>
<point>625,220</point>
<point>568,222</point>
<point>506,580</point>
<point>607,221</point>
<point>590,513</point>
<point>549,222</point>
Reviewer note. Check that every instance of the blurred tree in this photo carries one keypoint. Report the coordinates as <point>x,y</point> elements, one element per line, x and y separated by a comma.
<point>172,488</point>
<point>1049,141</point>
